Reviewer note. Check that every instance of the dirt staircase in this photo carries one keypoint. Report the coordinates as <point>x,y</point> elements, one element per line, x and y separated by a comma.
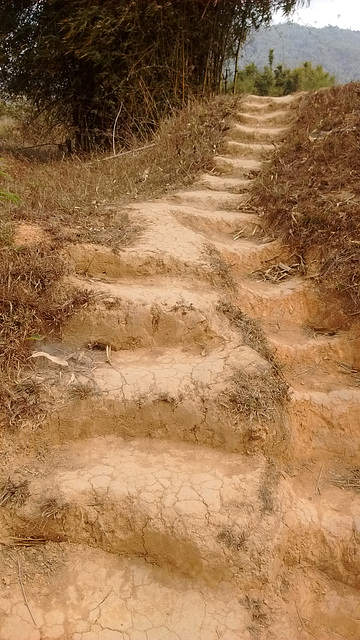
<point>153,505</point>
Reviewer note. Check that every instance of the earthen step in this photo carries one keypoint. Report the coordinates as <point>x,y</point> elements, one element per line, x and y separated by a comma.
<point>224,183</point>
<point>248,149</point>
<point>209,200</point>
<point>329,607</point>
<point>253,102</point>
<point>325,422</point>
<point>127,315</point>
<point>182,507</point>
<point>290,302</point>
<point>93,595</point>
<point>164,394</point>
<point>324,528</point>
<point>297,351</point>
<point>236,166</point>
<point>273,118</point>
<point>243,255</point>
<point>242,133</point>
<point>215,225</point>
<point>183,252</point>
<point>145,499</point>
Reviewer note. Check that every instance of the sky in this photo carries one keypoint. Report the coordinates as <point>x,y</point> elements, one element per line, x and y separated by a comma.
<point>340,13</point>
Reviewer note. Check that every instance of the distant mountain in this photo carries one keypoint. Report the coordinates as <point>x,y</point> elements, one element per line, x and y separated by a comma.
<point>337,50</point>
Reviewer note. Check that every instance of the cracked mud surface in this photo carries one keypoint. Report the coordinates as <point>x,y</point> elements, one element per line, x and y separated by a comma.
<point>148,505</point>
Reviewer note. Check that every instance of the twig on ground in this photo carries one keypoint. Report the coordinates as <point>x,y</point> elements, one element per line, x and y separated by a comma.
<point>114,128</point>
<point>17,562</point>
<point>317,488</point>
<point>123,153</point>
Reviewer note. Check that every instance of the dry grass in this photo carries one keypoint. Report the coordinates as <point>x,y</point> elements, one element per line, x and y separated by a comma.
<point>32,301</point>
<point>257,397</point>
<point>258,614</point>
<point>33,305</point>
<point>310,194</point>
<point>13,494</point>
<point>251,331</point>
<point>279,271</point>
<point>52,510</point>
<point>221,273</point>
<point>231,539</point>
<point>81,391</point>
<point>350,370</point>
<point>348,480</point>
<point>20,400</point>
<point>84,198</point>
<point>269,482</point>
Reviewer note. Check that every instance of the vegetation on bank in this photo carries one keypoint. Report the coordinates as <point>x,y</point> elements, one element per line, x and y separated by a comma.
<point>281,81</point>
<point>310,193</point>
<point>79,198</point>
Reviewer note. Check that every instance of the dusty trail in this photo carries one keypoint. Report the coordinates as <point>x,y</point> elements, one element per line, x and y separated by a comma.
<point>167,514</point>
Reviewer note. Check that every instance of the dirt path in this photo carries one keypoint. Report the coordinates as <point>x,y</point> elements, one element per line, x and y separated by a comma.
<point>165,511</point>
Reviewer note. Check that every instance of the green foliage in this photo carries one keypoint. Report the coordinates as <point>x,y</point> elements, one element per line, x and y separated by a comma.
<point>88,62</point>
<point>281,81</point>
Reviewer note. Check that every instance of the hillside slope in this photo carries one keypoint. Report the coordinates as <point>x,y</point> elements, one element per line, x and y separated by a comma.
<point>195,476</point>
<point>337,50</point>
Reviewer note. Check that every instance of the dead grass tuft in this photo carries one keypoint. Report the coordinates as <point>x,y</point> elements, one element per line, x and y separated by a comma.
<point>257,397</point>
<point>220,269</point>
<point>33,305</point>
<point>13,494</point>
<point>310,194</point>
<point>269,482</point>
<point>350,370</point>
<point>280,271</point>
<point>258,614</point>
<point>252,333</point>
<point>348,480</point>
<point>52,510</point>
<point>81,390</point>
<point>19,400</point>
<point>83,198</point>
<point>33,302</point>
<point>231,539</point>
<point>106,226</point>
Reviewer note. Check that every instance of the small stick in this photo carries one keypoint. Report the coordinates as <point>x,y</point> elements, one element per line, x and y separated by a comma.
<point>302,622</point>
<point>108,354</point>
<point>317,488</point>
<point>124,153</point>
<point>114,128</point>
<point>23,590</point>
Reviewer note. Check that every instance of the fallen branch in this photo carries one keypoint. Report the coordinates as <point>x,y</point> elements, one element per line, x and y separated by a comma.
<point>317,488</point>
<point>114,128</point>
<point>124,153</point>
<point>17,561</point>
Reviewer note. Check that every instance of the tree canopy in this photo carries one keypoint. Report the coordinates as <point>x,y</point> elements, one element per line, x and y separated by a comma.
<point>89,62</point>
